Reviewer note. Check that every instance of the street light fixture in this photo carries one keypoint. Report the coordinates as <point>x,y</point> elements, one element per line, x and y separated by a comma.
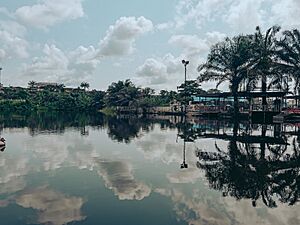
<point>185,63</point>
<point>0,76</point>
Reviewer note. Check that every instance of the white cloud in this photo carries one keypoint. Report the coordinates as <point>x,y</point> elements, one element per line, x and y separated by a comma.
<point>59,66</point>
<point>191,44</point>
<point>152,68</point>
<point>244,16</point>
<point>164,26</point>
<point>118,177</point>
<point>79,64</point>
<point>241,16</point>
<point>214,37</point>
<point>5,12</point>
<point>162,146</point>
<point>200,206</point>
<point>53,207</point>
<point>198,11</point>
<point>2,54</point>
<point>167,71</point>
<point>286,13</point>
<point>47,13</point>
<point>54,63</point>
<point>156,72</point>
<point>13,45</point>
<point>120,37</point>
<point>190,175</point>
<point>13,27</point>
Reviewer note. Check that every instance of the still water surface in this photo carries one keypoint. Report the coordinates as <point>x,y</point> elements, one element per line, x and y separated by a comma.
<point>90,169</point>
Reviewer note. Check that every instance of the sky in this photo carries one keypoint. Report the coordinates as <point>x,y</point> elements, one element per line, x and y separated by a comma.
<point>100,42</point>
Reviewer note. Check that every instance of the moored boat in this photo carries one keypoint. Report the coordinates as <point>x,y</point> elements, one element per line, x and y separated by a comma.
<point>288,115</point>
<point>2,142</point>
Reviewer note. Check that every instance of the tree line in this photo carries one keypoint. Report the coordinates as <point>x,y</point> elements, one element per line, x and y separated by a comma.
<point>267,59</point>
<point>58,97</point>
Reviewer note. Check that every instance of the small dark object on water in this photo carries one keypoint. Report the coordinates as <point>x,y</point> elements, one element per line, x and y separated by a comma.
<point>2,142</point>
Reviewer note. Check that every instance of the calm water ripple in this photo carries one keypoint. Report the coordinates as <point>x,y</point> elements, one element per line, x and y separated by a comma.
<point>91,169</point>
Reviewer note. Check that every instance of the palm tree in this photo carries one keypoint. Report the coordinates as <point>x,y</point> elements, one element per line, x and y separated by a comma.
<point>31,84</point>
<point>263,62</point>
<point>85,85</point>
<point>289,54</point>
<point>227,62</point>
<point>61,87</point>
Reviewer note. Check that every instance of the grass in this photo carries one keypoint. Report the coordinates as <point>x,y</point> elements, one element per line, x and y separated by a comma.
<point>109,111</point>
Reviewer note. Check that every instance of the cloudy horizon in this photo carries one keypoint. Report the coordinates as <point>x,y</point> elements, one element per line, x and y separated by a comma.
<point>102,42</point>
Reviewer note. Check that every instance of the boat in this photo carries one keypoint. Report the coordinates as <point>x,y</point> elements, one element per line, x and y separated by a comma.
<point>292,114</point>
<point>2,142</point>
<point>288,115</point>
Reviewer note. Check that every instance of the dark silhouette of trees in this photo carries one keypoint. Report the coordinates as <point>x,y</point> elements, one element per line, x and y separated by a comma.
<point>122,93</point>
<point>245,171</point>
<point>289,53</point>
<point>227,61</point>
<point>187,90</point>
<point>263,62</point>
<point>85,85</point>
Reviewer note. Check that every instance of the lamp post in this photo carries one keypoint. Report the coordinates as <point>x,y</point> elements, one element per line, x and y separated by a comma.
<point>185,63</point>
<point>184,165</point>
<point>0,77</point>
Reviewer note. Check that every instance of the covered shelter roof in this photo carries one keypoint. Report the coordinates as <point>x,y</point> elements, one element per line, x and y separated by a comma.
<point>245,94</point>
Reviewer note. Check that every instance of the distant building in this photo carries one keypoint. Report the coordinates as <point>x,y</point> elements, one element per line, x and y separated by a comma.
<point>45,85</point>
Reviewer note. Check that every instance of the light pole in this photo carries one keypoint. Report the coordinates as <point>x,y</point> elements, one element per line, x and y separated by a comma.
<point>0,75</point>
<point>185,63</point>
<point>1,85</point>
<point>184,165</point>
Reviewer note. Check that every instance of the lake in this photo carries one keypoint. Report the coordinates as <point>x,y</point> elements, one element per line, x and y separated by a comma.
<point>91,169</point>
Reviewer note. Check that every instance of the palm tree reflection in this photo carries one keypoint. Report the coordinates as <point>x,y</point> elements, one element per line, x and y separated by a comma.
<point>248,171</point>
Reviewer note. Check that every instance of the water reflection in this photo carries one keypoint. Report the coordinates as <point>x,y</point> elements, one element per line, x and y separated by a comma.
<point>52,207</point>
<point>60,169</point>
<point>255,167</point>
<point>118,176</point>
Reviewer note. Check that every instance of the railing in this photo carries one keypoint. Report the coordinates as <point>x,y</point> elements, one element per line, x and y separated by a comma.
<point>268,107</point>
<point>207,109</point>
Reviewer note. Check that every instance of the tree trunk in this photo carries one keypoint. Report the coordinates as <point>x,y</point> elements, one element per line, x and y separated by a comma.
<point>263,145</point>
<point>235,102</point>
<point>264,91</point>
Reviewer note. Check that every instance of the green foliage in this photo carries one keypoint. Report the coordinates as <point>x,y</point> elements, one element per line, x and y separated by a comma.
<point>289,54</point>
<point>122,93</point>
<point>187,90</point>
<point>85,85</point>
<point>213,91</point>
<point>108,111</point>
<point>243,59</point>
<point>21,99</point>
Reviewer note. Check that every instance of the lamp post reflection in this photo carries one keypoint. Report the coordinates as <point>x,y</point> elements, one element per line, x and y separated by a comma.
<point>184,165</point>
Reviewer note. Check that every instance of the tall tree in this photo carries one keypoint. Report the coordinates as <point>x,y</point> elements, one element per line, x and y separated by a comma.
<point>85,85</point>
<point>31,84</point>
<point>187,90</point>
<point>263,62</point>
<point>289,53</point>
<point>227,62</point>
<point>122,93</point>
